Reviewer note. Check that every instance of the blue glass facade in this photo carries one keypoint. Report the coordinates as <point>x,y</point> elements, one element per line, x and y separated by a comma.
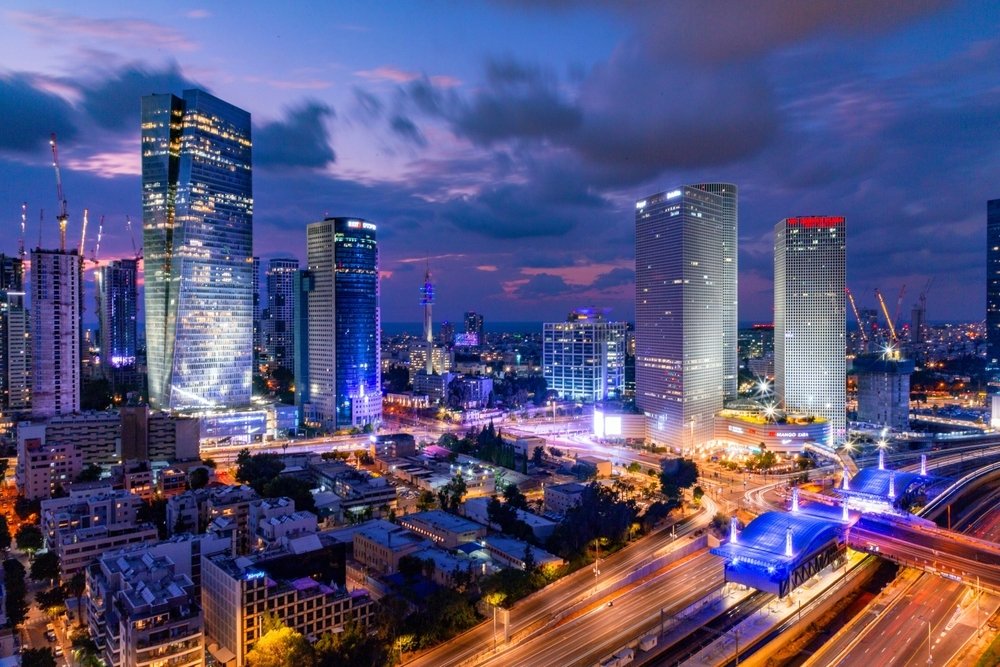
<point>197,202</point>
<point>343,324</point>
<point>993,285</point>
<point>116,310</point>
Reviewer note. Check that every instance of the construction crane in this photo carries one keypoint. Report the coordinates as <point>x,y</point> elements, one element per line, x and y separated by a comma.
<point>83,234</point>
<point>899,305</point>
<point>62,217</point>
<point>885,311</point>
<point>857,317</point>
<point>136,251</point>
<point>96,250</point>
<point>24,227</point>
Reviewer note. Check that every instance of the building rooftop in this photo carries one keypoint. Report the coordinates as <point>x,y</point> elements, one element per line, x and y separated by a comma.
<point>764,540</point>
<point>388,534</point>
<point>443,521</point>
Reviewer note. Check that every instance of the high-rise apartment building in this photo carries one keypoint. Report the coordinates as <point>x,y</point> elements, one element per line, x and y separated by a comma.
<point>197,201</point>
<point>679,313</point>
<point>993,285</point>
<point>809,318</point>
<point>117,298</point>
<point>259,347</point>
<point>730,284</point>
<point>583,358</point>
<point>15,344</point>
<point>304,283</point>
<point>474,325</point>
<point>343,325</point>
<point>278,320</point>
<point>55,322</point>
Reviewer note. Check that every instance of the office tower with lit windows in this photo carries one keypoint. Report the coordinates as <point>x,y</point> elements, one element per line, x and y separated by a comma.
<point>55,323</point>
<point>15,344</point>
<point>679,314</point>
<point>730,284</point>
<point>809,318</point>
<point>117,296</point>
<point>343,325</point>
<point>278,322</point>
<point>474,325</point>
<point>583,358</point>
<point>197,201</point>
<point>993,286</point>
<point>259,342</point>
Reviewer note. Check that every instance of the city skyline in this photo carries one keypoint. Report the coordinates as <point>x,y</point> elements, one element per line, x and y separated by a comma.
<point>494,165</point>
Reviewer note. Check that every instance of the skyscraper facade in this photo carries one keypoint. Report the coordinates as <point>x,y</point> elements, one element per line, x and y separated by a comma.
<point>55,324</point>
<point>474,325</point>
<point>343,372</point>
<point>116,311</point>
<point>679,314</point>
<point>15,344</point>
<point>278,320</point>
<point>809,318</point>
<point>197,203</point>
<point>583,358</point>
<point>259,339</point>
<point>730,284</point>
<point>993,285</point>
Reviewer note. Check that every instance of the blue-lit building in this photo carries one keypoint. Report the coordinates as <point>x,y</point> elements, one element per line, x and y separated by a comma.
<point>197,202</point>
<point>116,311</point>
<point>993,285</point>
<point>341,369</point>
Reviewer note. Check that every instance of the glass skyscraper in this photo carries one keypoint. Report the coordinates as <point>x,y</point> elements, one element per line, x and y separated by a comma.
<point>278,319</point>
<point>583,358</point>
<point>116,311</point>
<point>809,318</point>
<point>993,285</point>
<point>15,344</point>
<point>679,341</point>
<point>197,201</point>
<point>343,339</point>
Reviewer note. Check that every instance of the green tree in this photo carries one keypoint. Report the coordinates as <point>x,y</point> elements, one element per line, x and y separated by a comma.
<point>600,515</point>
<point>91,473</point>
<point>698,493</point>
<point>198,478</point>
<point>5,540</point>
<point>38,657</point>
<point>426,501</point>
<point>676,475</point>
<point>538,455</point>
<point>76,587</point>
<point>257,469</point>
<point>29,538</point>
<point>514,497</point>
<point>281,647</point>
<point>352,646</point>
<point>15,590</point>
<point>451,494</point>
<point>45,566</point>
<point>300,491</point>
<point>52,598</point>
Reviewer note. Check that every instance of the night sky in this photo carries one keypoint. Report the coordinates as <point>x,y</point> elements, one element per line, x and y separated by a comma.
<point>508,141</point>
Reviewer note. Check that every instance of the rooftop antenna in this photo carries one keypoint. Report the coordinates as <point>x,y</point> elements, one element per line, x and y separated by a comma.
<point>24,226</point>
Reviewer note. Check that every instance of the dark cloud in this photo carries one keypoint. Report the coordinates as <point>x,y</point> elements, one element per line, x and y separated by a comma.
<point>30,115</point>
<point>543,286</point>
<point>407,129</point>
<point>370,106</point>
<point>614,278</point>
<point>301,140</point>
<point>114,102</point>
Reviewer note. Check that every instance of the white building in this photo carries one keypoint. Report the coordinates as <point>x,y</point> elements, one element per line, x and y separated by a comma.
<point>42,468</point>
<point>809,318</point>
<point>583,358</point>
<point>55,320</point>
<point>679,362</point>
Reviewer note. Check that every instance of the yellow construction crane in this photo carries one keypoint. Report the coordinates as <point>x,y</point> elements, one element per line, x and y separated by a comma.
<point>885,311</point>
<point>857,316</point>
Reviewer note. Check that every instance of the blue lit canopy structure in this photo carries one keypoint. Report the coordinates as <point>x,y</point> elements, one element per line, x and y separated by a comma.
<point>873,484</point>
<point>778,551</point>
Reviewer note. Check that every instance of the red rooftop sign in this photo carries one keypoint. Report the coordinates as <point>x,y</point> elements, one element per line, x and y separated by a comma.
<point>817,221</point>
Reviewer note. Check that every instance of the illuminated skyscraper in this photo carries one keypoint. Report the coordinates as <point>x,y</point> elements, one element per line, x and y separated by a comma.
<point>278,319</point>
<point>679,339</point>
<point>116,310</point>
<point>809,318</point>
<point>15,345</point>
<point>474,325</point>
<point>730,284</point>
<point>583,358</point>
<point>343,348</point>
<point>993,285</point>
<point>197,201</point>
<point>55,323</point>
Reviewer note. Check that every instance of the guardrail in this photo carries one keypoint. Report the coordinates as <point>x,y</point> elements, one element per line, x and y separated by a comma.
<point>958,484</point>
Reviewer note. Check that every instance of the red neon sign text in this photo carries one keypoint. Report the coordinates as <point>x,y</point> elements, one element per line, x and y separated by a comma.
<point>817,221</point>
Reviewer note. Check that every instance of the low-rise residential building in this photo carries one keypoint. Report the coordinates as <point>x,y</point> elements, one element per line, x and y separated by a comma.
<point>141,612</point>
<point>43,467</point>
<point>510,552</point>
<point>84,525</point>
<point>195,511</point>
<point>444,529</point>
<point>477,510</point>
<point>559,498</point>
<point>171,482</point>
<point>305,590</point>
<point>379,544</point>
<point>454,568</point>
<point>135,477</point>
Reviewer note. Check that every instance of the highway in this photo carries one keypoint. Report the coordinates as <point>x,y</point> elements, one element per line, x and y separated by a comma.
<point>545,605</point>
<point>604,630</point>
